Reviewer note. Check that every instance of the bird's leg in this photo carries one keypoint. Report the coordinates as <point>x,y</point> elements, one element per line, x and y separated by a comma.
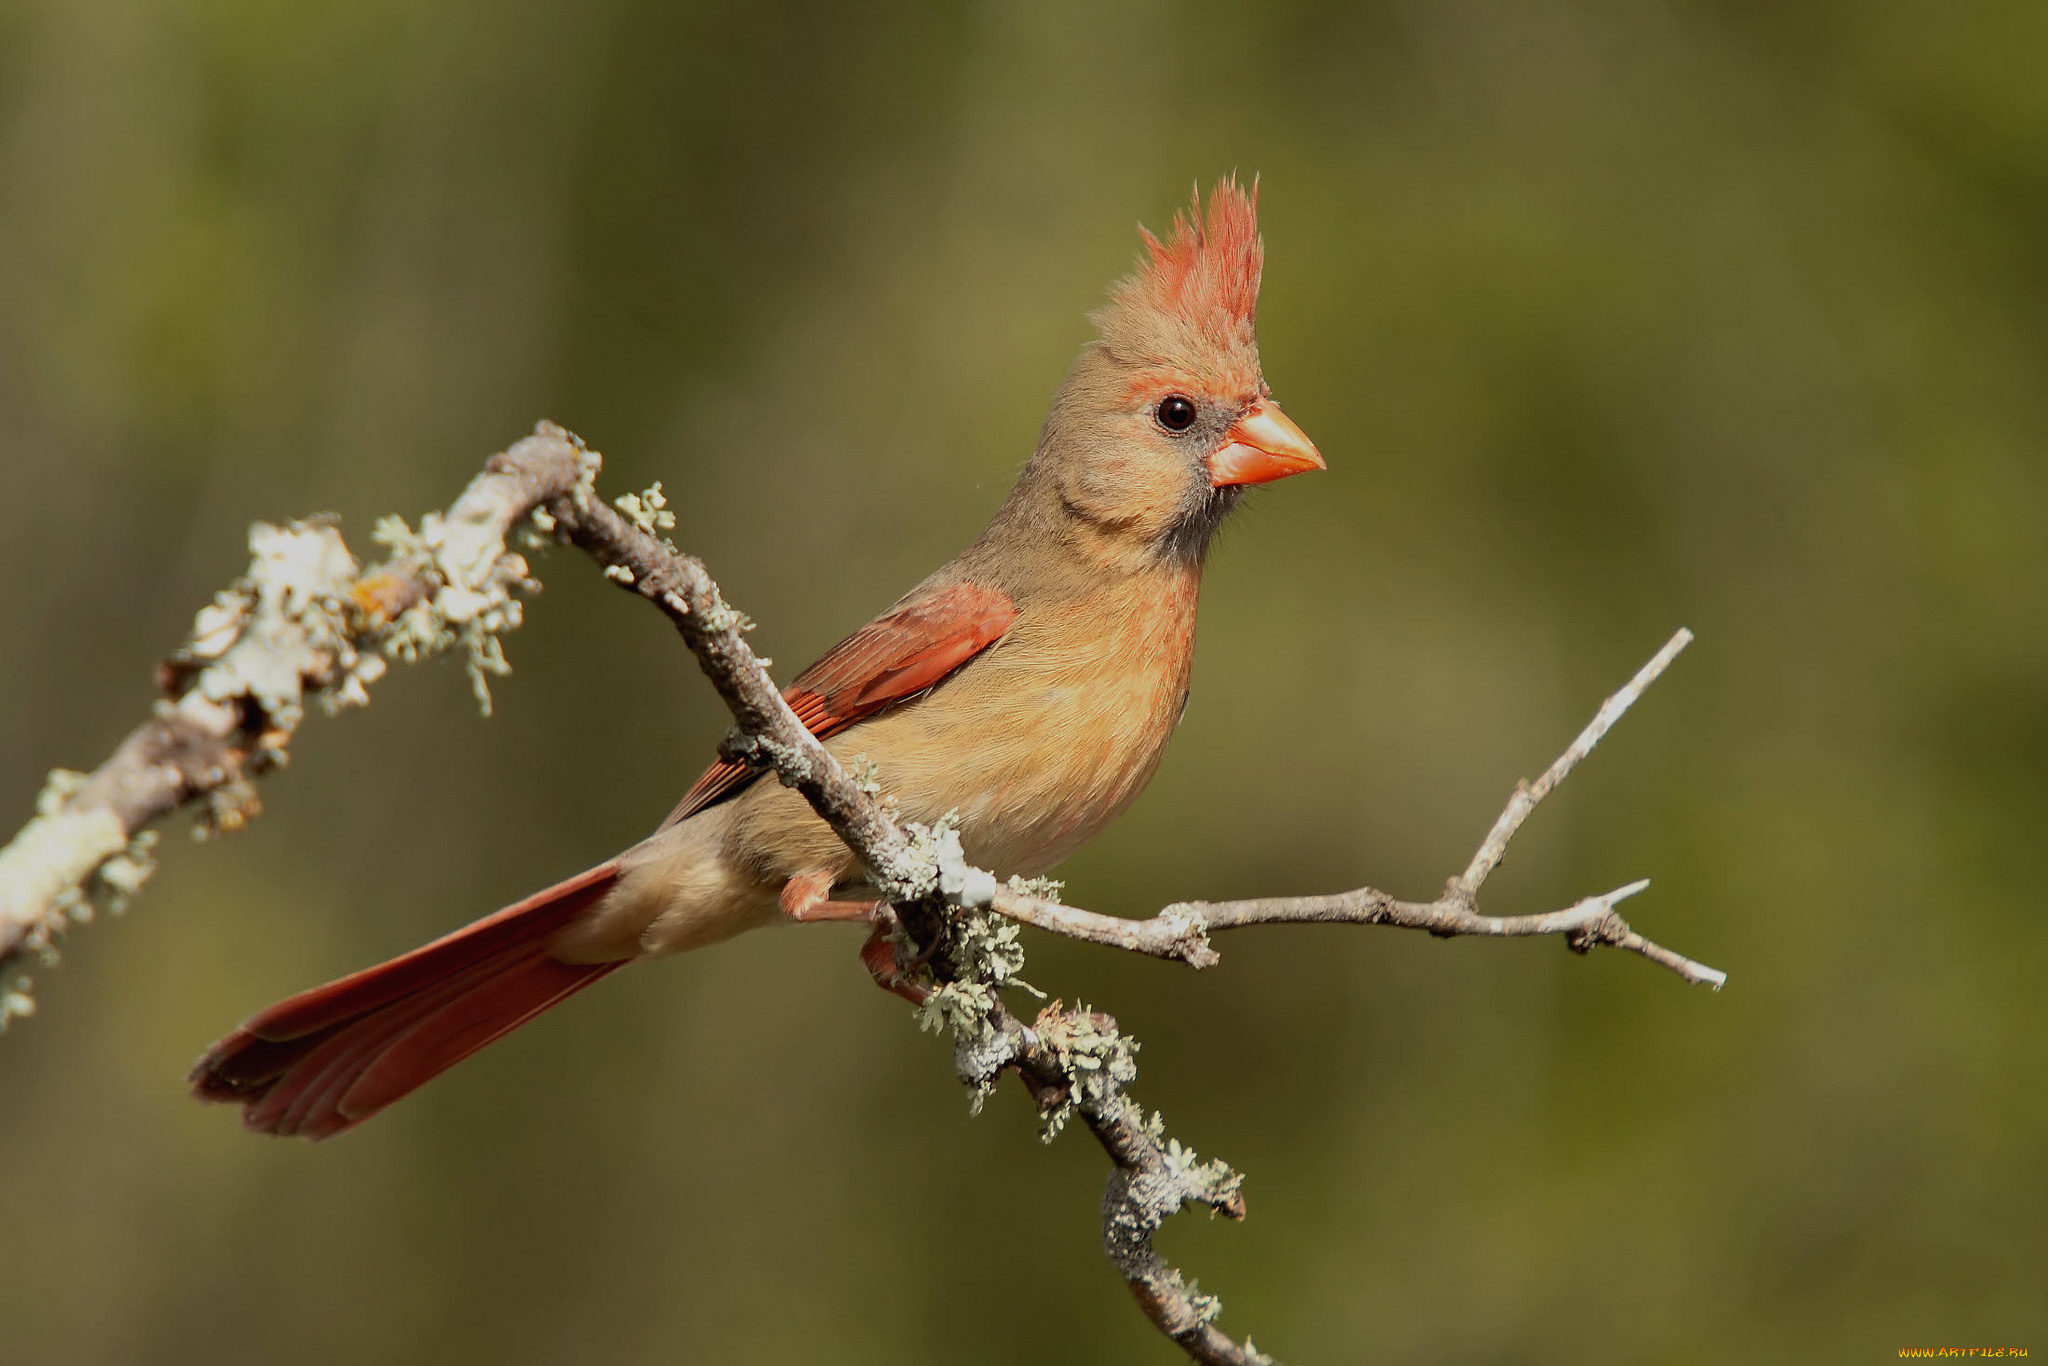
<point>866,912</point>
<point>806,899</point>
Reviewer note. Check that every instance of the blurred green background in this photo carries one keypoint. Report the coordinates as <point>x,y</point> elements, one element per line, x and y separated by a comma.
<point>1608,317</point>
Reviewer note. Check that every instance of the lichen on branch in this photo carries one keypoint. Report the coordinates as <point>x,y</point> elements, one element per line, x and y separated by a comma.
<point>304,626</point>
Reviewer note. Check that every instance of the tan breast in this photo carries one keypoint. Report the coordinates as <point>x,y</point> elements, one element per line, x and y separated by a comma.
<point>1038,743</point>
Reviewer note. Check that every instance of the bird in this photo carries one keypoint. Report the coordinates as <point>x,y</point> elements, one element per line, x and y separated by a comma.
<point>1026,690</point>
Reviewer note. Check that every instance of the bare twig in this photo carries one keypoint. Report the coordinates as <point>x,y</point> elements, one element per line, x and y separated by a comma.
<point>1495,846</point>
<point>1181,930</point>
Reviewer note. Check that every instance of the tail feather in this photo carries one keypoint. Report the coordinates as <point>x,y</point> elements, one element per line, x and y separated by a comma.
<point>520,923</point>
<point>479,1016</point>
<point>331,1059</point>
<point>327,1059</point>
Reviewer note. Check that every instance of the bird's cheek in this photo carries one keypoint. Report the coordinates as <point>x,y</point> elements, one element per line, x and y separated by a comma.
<point>1138,490</point>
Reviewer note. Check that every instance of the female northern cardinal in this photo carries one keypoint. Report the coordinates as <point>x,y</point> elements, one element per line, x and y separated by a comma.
<point>1030,686</point>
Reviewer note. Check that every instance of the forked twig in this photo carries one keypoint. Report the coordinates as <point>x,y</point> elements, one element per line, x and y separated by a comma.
<point>1181,931</point>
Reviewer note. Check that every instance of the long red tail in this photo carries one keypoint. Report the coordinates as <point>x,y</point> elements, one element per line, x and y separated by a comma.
<point>327,1059</point>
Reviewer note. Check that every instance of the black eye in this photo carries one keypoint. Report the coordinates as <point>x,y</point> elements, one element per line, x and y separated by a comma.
<point>1176,414</point>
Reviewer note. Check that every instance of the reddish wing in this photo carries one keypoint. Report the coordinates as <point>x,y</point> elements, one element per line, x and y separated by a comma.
<point>898,655</point>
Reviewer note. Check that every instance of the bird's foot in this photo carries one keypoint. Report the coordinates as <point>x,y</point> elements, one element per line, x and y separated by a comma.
<point>878,956</point>
<point>806,899</point>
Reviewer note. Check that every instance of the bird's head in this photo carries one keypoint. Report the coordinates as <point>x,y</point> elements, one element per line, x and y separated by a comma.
<point>1165,418</point>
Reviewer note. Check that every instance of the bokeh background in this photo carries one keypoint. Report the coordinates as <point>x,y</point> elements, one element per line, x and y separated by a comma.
<point>1609,318</point>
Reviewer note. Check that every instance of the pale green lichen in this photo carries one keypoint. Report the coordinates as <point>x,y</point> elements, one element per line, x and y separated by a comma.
<point>648,510</point>
<point>110,886</point>
<point>987,948</point>
<point>978,954</point>
<point>1043,888</point>
<point>42,866</point>
<point>291,630</point>
<point>1100,1060</point>
<point>1052,1121</point>
<point>48,870</point>
<point>473,605</point>
<point>1213,1183</point>
<point>865,776</point>
<point>1097,1062</point>
<point>122,875</point>
<point>59,787</point>
<point>589,464</point>
<point>17,1001</point>
<point>286,633</point>
<point>540,529</point>
<point>282,620</point>
<point>1207,1307</point>
<point>227,807</point>
<point>723,616</point>
<point>955,1007</point>
<point>791,766</point>
<point>916,875</point>
<point>537,532</point>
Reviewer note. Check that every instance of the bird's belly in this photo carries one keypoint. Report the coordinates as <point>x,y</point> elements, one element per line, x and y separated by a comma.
<point>1034,767</point>
<point>1034,746</point>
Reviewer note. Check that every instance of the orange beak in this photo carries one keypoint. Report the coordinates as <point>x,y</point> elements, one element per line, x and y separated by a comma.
<point>1262,446</point>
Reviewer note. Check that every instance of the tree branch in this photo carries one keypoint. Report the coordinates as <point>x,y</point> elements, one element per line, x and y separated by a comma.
<point>301,626</point>
<point>304,625</point>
